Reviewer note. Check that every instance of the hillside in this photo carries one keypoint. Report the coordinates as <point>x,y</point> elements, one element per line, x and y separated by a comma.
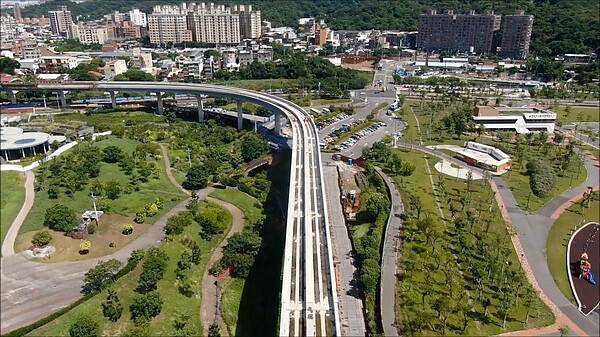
<point>560,26</point>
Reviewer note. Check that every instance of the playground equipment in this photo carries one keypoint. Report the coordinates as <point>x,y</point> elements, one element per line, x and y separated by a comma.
<point>585,267</point>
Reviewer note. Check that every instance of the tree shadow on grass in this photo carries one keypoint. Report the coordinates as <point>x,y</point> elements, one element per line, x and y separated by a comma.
<point>259,305</point>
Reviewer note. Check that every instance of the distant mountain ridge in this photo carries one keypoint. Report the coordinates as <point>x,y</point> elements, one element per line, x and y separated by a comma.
<point>560,26</point>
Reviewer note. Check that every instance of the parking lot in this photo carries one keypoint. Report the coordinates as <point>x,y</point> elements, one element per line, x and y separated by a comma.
<point>358,135</point>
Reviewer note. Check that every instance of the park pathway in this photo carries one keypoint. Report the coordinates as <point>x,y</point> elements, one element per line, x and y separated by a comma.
<point>208,308</point>
<point>8,246</point>
<point>530,243</point>
<point>389,259</point>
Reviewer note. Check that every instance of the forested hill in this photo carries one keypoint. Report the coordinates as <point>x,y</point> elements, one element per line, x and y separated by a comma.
<point>560,26</point>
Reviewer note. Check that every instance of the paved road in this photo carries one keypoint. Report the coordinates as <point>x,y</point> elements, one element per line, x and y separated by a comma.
<point>9,240</point>
<point>351,308</point>
<point>582,137</point>
<point>389,259</point>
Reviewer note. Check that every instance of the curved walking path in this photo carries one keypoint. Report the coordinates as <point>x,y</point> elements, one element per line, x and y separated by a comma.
<point>208,306</point>
<point>8,245</point>
<point>530,244</point>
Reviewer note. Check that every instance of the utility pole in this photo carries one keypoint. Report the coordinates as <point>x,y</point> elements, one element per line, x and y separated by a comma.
<point>95,210</point>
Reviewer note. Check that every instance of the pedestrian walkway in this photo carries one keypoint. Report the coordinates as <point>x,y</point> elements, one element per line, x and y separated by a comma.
<point>448,168</point>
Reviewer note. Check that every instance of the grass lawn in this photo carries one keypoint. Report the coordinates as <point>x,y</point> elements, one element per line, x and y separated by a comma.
<point>259,85</point>
<point>321,102</point>
<point>111,118</point>
<point>379,107</point>
<point>12,196</point>
<point>432,280</point>
<point>558,239</point>
<point>251,207</point>
<point>174,302</point>
<point>518,182</point>
<point>126,205</point>
<point>108,230</point>
<point>577,114</point>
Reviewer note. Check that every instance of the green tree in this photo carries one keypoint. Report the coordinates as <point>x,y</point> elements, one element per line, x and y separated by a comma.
<point>376,203</point>
<point>146,306</point>
<point>84,326</point>
<point>103,271</point>
<point>60,218</point>
<point>8,65</point>
<point>112,188</point>
<point>214,330</point>
<point>253,146</point>
<point>196,178</point>
<point>134,75</point>
<point>153,270</point>
<point>177,223</point>
<point>139,328</point>
<point>112,308</point>
<point>41,239</point>
<point>416,203</point>
<point>240,252</point>
<point>112,154</point>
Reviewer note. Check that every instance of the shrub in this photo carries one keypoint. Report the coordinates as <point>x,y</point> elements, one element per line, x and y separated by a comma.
<point>84,326</point>
<point>127,229</point>
<point>84,247</point>
<point>151,209</point>
<point>60,218</point>
<point>140,217</point>
<point>159,203</point>
<point>41,239</point>
<point>91,228</point>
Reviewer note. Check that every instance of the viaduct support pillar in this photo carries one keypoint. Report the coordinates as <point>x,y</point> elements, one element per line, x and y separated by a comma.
<point>278,123</point>
<point>240,116</point>
<point>113,99</point>
<point>13,97</point>
<point>200,109</point>
<point>63,100</point>
<point>159,103</point>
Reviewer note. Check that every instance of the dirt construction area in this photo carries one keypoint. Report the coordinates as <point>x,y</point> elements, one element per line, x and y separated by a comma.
<point>363,66</point>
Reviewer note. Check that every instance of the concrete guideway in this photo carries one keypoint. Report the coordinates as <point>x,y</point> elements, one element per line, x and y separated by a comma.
<point>307,225</point>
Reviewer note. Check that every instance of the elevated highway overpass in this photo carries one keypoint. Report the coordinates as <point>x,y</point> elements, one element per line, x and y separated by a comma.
<point>309,304</point>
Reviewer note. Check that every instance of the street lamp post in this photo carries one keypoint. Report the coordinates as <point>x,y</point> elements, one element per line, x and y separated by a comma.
<point>189,151</point>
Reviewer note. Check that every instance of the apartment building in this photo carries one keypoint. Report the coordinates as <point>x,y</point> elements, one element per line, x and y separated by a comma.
<point>321,33</point>
<point>168,24</point>
<point>126,30</point>
<point>61,22</point>
<point>114,68</point>
<point>516,35</point>
<point>258,53</point>
<point>203,22</point>
<point>88,34</point>
<point>250,21</point>
<point>7,29</point>
<point>466,33</point>
<point>138,18</point>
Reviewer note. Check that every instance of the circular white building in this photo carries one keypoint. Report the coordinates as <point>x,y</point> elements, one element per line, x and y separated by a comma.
<point>16,144</point>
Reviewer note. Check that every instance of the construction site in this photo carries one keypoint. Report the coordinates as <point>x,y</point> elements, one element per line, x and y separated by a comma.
<point>351,179</point>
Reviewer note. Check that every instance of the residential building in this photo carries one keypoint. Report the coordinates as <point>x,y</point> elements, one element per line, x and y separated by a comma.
<point>114,18</point>
<point>138,18</point>
<point>250,21</point>
<point>137,58</point>
<point>114,68</point>
<point>460,33</point>
<point>168,24</point>
<point>61,22</point>
<point>261,54</point>
<point>17,12</point>
<point>7,29</point>
<point>26,49</point>
<point>516,35</point>
<point>127,30</point>
<point>321,33</point>
<point>203,22</point>
<point>520,120</point>
<point>52,63</point>
<point>88,34</point>
<point>214,24</point>
<point>192,69</point>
